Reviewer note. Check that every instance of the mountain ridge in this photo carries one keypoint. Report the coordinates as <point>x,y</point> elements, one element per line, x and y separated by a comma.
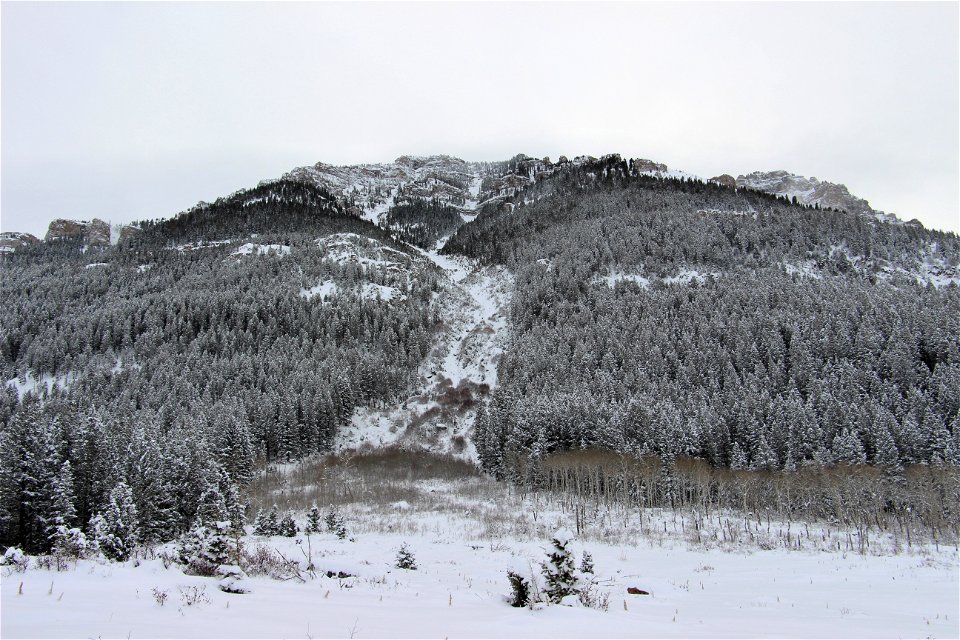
<point>369,190</point>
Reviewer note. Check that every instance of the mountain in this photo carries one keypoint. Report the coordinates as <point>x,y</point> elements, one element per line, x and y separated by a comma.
<point>503,312</point>
<point>811,191</point>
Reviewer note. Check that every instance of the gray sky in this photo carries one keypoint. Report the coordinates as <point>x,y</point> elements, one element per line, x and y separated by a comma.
<point>133,111</point>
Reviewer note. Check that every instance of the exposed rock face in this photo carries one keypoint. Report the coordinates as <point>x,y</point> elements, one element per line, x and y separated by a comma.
<point>95,232</point>
<point>807,191</point>
<point>126,231</point>
<point>374,188</point>
<point>10,241</point>
<point>649,166</point>
<point>725,180</point>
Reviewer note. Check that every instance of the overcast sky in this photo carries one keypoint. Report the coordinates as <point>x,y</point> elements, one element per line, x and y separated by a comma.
<point>134,111</point>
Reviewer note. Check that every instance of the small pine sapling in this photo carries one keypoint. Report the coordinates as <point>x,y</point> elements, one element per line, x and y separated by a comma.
<point>335,524</point>
<point>313,521</point>
<point>405,558</point>
<point>586,564</point>
<point>287,528</point>
<point>559,571</point>
<point>267,523</point>
<point>519,589</point>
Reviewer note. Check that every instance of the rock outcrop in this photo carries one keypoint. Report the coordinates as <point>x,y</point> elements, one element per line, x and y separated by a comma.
<point>725,180</point>
<point>96,232</point>
<point>808,191</point>
<point>12,240</point>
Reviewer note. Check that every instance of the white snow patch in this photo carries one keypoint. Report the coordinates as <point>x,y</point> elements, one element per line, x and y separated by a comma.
<point>96,264</point>
<point>44,384</point>
<point>379,292</point>
<point>261,249</point>
<point>686,276</point>
<point>325,289</point>
<point>807,269</point>
<point>209,244</point>
<point>616,276</point>
<point>367,291</point>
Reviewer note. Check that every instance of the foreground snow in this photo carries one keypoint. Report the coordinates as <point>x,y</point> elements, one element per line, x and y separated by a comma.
<point>459,591</point>
<point>466,531</point>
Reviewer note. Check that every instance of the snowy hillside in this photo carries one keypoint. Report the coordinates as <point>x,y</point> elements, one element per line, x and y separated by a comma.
<point>459,371</point>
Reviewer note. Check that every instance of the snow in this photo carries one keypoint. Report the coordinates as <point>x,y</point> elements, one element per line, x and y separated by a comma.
<point>44,384</point>
<point>807,269</point>
<point>371,291</point>
<point>474,302</point>
<point>350,247</point>
<point>616,276</point>
<point>144,267</point>
<point>261,249</point>
<point>460,586</point>
<point>686,276</point>
<point>367,291</point>
<point>325,289</point>
<point>375,213</point>
<point>563,536</point>
<point>96,264</point>
<point>209,244</point>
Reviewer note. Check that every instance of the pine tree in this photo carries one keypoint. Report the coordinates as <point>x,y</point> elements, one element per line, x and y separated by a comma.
<point>405,558</point>
<point>847,448</point>
<point>116,529</point>
<point>559,570</point>
<point>263,524</point>
<point>287,526</point>
<point>335,524</point>
<point>313,520</point>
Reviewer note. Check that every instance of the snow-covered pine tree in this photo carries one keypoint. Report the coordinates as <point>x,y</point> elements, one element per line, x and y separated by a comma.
<point>335,524</point>
<point>559,570</point>
<point>848,449</point>
<point>207,544</point>
<point>116,529</point>
<point>287,526</point>
<point>405,558</point>
<point>313,520</point>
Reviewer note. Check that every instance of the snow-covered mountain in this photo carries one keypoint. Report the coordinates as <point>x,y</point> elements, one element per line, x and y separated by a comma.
<point>374,188</point>
<point>811,191</point>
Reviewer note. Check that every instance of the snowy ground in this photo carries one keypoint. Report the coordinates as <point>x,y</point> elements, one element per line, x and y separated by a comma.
<point>465,536</point>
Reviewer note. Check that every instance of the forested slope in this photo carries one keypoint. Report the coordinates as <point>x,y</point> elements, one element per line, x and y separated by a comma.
<point>682,318</point>
<point>179,357</point>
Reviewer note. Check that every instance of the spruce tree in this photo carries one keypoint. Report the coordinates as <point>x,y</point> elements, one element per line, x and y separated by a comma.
<point>116,529</point>
<point>559,570</point>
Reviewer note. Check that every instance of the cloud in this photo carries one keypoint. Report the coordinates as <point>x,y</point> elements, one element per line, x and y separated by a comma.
<point>133,110</point>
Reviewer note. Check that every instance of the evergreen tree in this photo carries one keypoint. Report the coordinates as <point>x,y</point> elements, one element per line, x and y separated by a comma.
<point>313,520</point>
<point>559,570</point>
<point>116,529</point>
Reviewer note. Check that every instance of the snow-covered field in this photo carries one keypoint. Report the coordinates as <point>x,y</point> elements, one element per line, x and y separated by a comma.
<point>465,535</point>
